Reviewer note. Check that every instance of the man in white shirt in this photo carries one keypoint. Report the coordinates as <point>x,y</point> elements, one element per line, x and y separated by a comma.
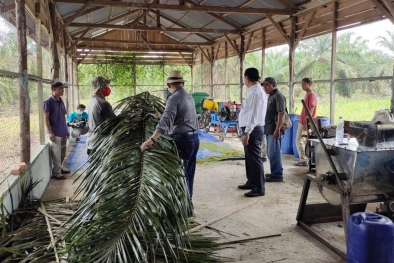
<point>252,120</point>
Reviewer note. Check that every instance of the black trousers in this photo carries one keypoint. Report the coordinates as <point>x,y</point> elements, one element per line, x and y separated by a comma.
<point>254,161</point>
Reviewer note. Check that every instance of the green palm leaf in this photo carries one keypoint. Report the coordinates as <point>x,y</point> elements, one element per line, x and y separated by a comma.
<point>134,204</point>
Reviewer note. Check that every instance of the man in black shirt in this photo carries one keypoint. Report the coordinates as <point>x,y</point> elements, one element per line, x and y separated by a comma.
<point>273,122</point>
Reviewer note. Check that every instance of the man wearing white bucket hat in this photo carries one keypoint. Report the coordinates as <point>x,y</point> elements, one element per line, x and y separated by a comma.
<point>179,120</point>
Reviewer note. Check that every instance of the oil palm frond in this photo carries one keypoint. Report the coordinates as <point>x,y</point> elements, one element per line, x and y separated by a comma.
<point>134,204</point>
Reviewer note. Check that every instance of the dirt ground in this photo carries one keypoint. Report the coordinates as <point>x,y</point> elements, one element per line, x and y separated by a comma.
<point>231,216</point>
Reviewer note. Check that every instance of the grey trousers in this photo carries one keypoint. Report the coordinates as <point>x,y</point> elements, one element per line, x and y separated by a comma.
<point>58,153</point>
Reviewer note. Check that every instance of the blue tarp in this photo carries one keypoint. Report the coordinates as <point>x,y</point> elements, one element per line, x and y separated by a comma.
<point>78,156</point>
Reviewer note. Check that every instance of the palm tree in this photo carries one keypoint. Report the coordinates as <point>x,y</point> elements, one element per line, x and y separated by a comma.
<point>387,42</point>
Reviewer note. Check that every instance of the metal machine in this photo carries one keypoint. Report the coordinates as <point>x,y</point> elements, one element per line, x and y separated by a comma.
<point>222,114</point>
<point>350,175</point>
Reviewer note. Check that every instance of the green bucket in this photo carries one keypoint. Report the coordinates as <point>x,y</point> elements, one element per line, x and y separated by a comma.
<point>198,97</point>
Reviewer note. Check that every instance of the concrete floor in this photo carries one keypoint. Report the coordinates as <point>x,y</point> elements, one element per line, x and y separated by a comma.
<point>231,216</point>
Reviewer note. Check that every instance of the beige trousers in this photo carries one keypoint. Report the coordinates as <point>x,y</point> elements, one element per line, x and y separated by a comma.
<point>58,153</point>
<point>301,143</point>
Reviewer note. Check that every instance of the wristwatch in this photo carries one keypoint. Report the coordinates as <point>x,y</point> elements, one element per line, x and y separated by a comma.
<point>245,134</point>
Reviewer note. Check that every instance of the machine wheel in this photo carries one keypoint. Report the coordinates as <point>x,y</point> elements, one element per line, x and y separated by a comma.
<point>221,136</point>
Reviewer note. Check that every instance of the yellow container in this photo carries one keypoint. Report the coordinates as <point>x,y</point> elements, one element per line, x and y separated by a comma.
<point>210,104</point>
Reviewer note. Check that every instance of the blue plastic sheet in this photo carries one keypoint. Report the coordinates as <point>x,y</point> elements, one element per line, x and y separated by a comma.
<point>78,155</point>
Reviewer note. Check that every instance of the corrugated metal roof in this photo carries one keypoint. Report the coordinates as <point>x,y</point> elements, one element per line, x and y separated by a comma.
<point>201,26</point>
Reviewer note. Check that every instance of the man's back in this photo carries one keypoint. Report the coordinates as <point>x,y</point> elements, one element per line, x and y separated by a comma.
<point>99,110</point>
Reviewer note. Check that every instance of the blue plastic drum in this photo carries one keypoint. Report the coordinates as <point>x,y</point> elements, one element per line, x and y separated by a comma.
<point>370,238</point>
<point>294,120</point>
<point>286,142</point>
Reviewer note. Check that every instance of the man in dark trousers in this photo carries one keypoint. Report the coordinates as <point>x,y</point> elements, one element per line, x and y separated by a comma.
<point>99,109</point>
<point>251,120</point>
<point>55,122</point>
<point>180,121</point>
<point>273,122</point>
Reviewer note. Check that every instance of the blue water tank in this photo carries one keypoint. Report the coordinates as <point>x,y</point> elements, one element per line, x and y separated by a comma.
<point>286,142</point>
<point>370,238</point>
<point>294,120</point>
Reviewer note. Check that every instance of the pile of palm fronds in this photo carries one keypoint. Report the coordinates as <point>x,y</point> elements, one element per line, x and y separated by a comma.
<point>134,204</point>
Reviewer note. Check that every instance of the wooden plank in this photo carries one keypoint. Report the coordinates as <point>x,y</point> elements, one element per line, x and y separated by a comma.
<point>187,8</point>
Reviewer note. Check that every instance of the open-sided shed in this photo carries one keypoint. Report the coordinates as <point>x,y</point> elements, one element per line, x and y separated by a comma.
<point>173,32</point>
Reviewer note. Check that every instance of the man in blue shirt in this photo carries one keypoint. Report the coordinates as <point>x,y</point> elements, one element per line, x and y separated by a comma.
<point>55,122</point>
<point>78,121</point>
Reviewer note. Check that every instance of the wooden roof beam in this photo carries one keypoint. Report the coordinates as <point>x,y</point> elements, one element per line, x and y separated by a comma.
<point>87,11</point>
<point>201,8</point>
<point>102,40</point>
<point>75,15</point>
<point>279,28</point>
<point>288,4</point>
<point>106,21</point>
<point>383,9</point>
<point>389,5</point>
<point>182,26</point>
<point>232,44</point>
<point>206,55</point>
<point>224,20</point>
<point>146,28</point>
<point>146,42</point>
<point>186,50</point>
<point>305,27</point>
<point>7,8</point>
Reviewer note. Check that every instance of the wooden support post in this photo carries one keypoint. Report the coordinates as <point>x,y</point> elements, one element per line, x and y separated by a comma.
<point>24,99</point>
<point>211,62</point>
<point>333,60</point>
<point>55,55</point>
<point>192,76</point>
<point>39,71</point>
<point>69,106</point>
<point>202,71</point>
<point>134,75</point>
<point>225,72</point>
<point>262,73</point>
<point>392,94</point>
<point>291,63</point>
<point>241,65</point>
